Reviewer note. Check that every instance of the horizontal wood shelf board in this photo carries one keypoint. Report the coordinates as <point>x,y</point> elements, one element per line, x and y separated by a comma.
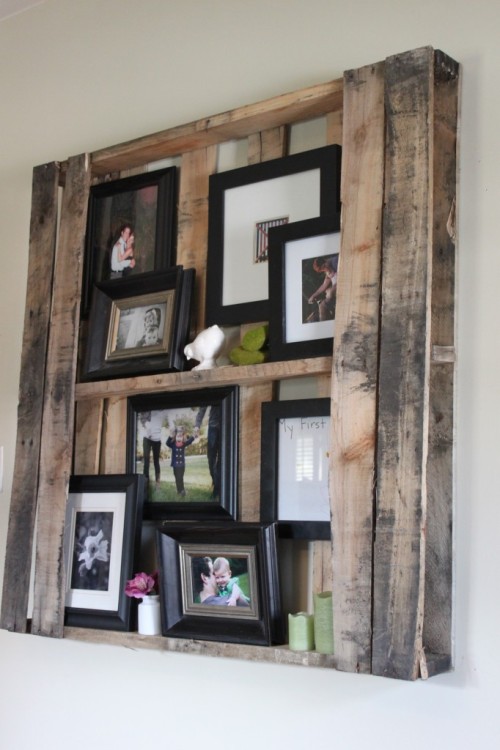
<point>297,106</point>
<point>179,381</point>
<point>272,654</point>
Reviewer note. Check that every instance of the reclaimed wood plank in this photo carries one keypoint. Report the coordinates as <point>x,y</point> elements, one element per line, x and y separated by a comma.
<point>285,109</point>
<point>403,369</point>
<point>88,435</point>
<point>251,398</point>
<point>437,627</point>
<point>192,231</point>
<point>322,564</point>
<point>354,379</point>
<point>405,355</point>
<point>58,408</point>
<point>114,437</point>
<point>271,654</point>
<point>334,126</point>
<point>268,144</point>
<point>179,381</point>
<point>42,242</point>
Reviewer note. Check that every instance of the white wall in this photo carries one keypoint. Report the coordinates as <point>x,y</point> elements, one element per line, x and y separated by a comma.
<point>80,75</point>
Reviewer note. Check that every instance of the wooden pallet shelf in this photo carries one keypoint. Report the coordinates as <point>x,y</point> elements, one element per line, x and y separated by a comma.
<point>270,654</point>
<point>179,381</point>
<point>390,378</point>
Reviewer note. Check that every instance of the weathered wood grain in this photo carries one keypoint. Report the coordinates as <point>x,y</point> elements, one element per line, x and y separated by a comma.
<point>251,398</point>
<point>334,127</point>
<point>403,515</point>
<point>272,654</point>
<point>114,436</point>
<point>58,408</point>
<point>43,228</point>
<point>322,579</point>
<point>354,379</point>
<point>286,109</point>
<point>436,636</point>
<point>179,381</point>
<point>192,230</point>
<point>88,435</point>
<point>268,144</point>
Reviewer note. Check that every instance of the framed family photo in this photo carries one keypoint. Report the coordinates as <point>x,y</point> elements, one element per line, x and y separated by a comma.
<point>101,543</point>
<point>130,228</point>
<point>244,205</point>
<point>220,583</point>
<point>139,326</point>
<point>295,449</point>
<point>186,446</point>
<point>303,265</point>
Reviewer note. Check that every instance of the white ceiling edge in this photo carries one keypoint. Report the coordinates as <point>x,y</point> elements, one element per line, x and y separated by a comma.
<point>13,7</point>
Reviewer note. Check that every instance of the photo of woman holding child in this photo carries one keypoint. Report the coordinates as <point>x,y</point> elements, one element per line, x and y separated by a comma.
<point>214,584</point>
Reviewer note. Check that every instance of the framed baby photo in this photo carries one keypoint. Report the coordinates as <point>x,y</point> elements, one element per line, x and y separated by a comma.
<point>294,489</point>
<point>139,326</point>
<point>245,204</point>
<point>130,228</point>
<point>220,583</point>
<point>101,544</point>
<point>186,446</point>
<point>303,264</point>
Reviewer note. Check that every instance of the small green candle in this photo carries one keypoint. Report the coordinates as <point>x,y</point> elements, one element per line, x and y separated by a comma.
<point>323,622</point>
<point>301,631</point>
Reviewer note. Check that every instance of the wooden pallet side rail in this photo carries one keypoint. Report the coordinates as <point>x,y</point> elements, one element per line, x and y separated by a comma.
<point>402,513</point>
<point>437,629</point>
<point>58,408</point>
<point>354,380</point>
<point>43,230</point>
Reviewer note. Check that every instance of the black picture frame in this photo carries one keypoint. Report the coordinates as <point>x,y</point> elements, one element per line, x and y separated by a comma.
<point>294,488</point>
<point>181,549</point>
<point>110,505</point>
<point>212,489</point>
<point>108,353</point>
<point>289,189</point>
<point>298,253</point>
<point>147,202</point>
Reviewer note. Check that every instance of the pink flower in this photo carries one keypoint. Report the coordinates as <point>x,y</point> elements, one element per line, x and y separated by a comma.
<point>141,585</point>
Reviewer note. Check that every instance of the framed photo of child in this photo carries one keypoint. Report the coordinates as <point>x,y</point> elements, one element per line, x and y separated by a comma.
<point>303,266</point>
<point>139,327</point>
<point>220,582</point>
<point>186,446</point>
<point>130,228</point>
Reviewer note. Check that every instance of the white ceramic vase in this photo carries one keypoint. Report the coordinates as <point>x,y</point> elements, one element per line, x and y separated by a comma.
<point>149,621</point>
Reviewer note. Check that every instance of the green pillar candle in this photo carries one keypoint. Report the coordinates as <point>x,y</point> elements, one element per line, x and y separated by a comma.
<point>301,632</point>
<point>323,622</point>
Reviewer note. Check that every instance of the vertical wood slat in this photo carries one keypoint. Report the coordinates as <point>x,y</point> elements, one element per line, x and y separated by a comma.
<point>114,442</point>
<point>58,408</point>
<point>251,398</point>
<point>268,144</point>
<point>334,126</point>
<point>88,436</point>
<point>436,637</point>
<point>192,233</point>
<point>354,378</point>
<point>405,353</point>
<point>43,229</point>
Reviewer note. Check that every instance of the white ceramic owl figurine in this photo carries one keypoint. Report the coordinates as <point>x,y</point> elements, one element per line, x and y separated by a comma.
<point>206,347</point>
